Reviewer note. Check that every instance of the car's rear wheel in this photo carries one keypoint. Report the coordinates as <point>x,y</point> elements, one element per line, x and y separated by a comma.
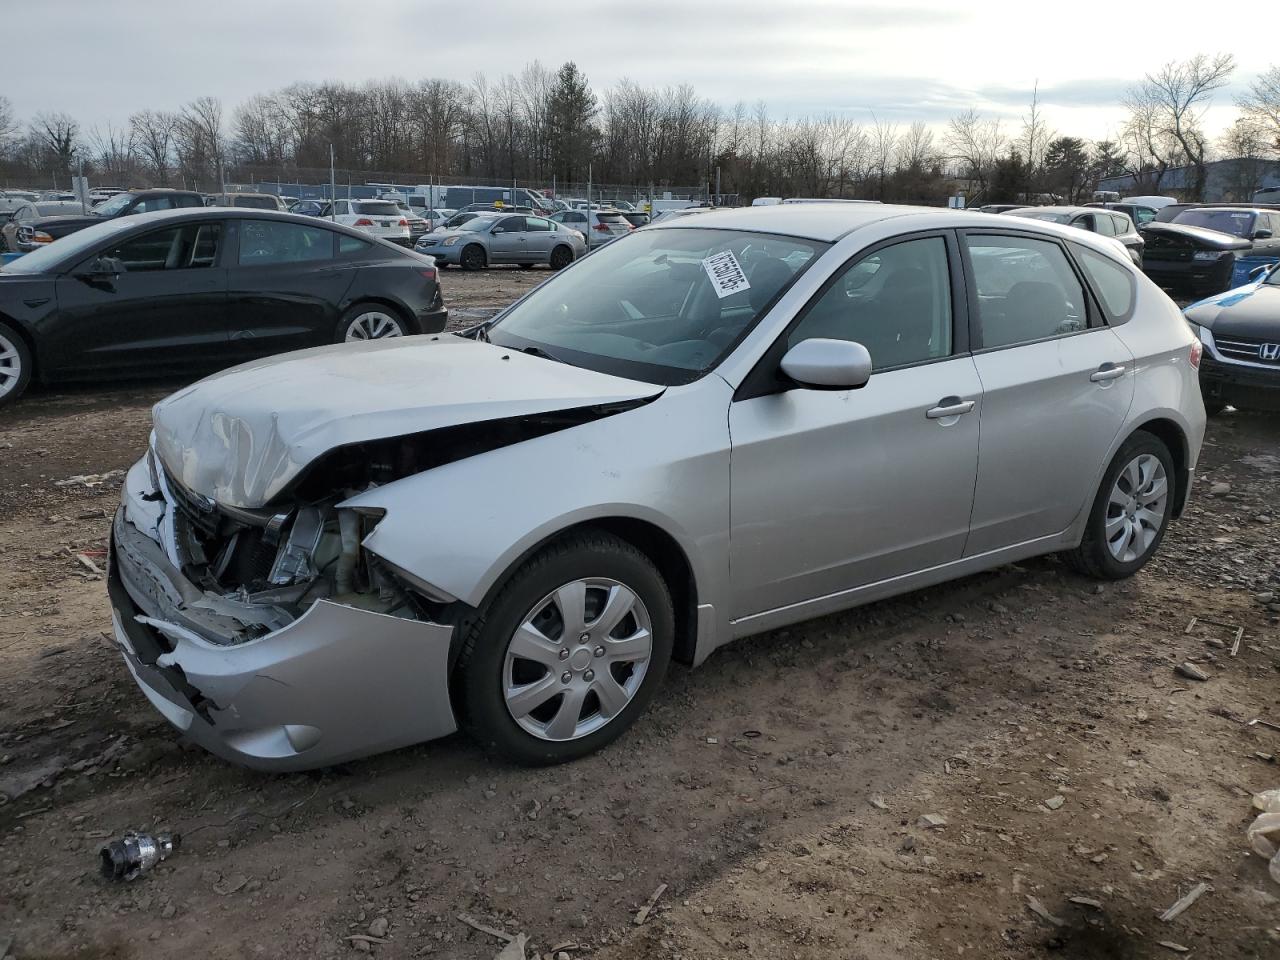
<point>1131,511</point>
<point>15,365</point>
<point>561,257</point>
<point>371,321</point>
<point>472,258</point>
<point>568,653</point>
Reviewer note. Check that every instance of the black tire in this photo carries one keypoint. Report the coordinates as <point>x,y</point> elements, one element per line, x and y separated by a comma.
<point>561,257</point>
<point>1093,557</point>
<point>358,316</point>
<point>481,663</point>
<point>15,365</point>
<point>472,257</point>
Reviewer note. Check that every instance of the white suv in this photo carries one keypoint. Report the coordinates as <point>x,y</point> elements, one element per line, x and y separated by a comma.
<point>379,218</point>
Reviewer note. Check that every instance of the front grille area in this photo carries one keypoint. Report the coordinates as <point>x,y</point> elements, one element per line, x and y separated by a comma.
<point>199,512</point>
<point>1244,348</point>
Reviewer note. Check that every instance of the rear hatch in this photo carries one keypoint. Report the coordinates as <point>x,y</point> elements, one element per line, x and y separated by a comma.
<point>382,218</point>
<point>613,224</point>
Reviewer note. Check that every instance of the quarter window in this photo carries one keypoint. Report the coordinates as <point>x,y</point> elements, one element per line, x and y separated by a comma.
<point>1113,283</point>
<point>1123,225</point>
<point>271,241</point>
<point>896,302</point>
<point>1026,290</point>
<point>1103,224</point>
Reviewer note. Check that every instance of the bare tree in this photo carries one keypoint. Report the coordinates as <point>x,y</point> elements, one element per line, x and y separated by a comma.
<point>8,124</point>
<point>58,137</point>
<point>1247,145</point>
<point>976,144</point>
<point>111,150</point>
<point>200,141</point>
<point>1175,97</point>
<point>884,150</point>
<point>1261,105</point>
<point>153,132</point>
<point>1034,141</point>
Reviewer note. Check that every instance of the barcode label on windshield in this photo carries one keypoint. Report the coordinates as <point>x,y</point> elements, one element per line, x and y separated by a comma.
<point>726,274</point>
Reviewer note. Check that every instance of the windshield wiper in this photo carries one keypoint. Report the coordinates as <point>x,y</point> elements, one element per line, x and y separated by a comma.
<point>539,352</point>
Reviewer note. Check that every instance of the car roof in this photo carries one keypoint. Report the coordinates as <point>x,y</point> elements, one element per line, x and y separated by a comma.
<point>831,222</point>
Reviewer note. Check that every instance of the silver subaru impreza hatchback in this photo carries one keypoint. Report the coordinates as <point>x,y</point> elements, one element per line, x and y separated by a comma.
<point>702,431</point>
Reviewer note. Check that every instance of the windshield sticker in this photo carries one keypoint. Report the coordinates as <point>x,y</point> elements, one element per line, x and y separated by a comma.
<point>726,274</point>
<point>1240,216</point>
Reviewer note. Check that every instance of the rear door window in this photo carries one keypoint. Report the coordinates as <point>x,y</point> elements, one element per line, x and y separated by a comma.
<point>265,242</point>
<point>1026,290</point>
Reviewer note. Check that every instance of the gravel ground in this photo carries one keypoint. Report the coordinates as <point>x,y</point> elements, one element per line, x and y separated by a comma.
<point>779,796</point>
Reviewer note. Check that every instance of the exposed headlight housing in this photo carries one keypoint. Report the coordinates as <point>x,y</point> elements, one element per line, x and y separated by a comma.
<point>1206,255</point>
<point>450,241</point>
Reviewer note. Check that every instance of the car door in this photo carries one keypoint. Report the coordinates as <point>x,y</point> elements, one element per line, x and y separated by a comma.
<point>285,286</point>
<point>507,242</point>
<point>163,308</point>
<point>834,489</point>
<point>539,238</point>
<point>1057,384</point>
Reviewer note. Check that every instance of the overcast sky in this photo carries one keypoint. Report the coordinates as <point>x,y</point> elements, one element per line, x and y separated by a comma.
<point>911,60</point>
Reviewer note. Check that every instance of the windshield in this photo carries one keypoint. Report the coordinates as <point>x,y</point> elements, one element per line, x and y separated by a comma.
<point>662,306</point>
<point>67,250</point>
<point>1238,223</point>
<point>1051,215</point>
<point>473,223</point>
<point>109,208</point>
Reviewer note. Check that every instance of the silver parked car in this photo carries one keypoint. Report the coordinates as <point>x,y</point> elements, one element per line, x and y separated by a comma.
<point>493,238</point>
<point>703,431</point>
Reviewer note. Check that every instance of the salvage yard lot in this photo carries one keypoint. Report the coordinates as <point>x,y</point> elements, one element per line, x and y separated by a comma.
<point>777,791</point>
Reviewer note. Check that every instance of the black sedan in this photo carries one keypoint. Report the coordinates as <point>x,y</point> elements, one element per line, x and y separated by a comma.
<point>185,291</point>
<point>1240,330</point>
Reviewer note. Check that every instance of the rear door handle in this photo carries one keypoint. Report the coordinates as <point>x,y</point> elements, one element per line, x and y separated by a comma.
<point>949,407</point>
<point>1108,371</point>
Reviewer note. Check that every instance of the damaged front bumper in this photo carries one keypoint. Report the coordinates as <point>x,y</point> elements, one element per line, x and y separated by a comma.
<point>337,682</point>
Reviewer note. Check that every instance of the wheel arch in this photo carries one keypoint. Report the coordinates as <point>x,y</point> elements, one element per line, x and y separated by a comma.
<point>1174,438</point>
<point>30,341</point>
<point>654,542</point>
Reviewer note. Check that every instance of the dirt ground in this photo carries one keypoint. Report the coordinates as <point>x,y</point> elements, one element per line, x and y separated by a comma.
<point>775,795</point>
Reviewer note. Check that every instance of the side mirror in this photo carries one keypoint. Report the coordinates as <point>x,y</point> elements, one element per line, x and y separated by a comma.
<point>102,267</point>
<point>1263,234</point>
<point>828,364</point>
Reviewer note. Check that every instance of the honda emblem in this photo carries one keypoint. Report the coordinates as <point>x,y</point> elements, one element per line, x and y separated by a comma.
<point>1269,351</point>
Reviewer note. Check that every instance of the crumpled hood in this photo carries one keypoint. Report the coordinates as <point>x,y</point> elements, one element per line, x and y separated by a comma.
<point>1251,311</point>
<point>1200,236</point>
<point>241,436</point>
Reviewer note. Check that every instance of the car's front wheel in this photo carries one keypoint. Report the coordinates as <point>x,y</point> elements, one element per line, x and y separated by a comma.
<point>568,653</point>
<point>1131,511</point>
<point>472,258</point>
<point>15,365</point>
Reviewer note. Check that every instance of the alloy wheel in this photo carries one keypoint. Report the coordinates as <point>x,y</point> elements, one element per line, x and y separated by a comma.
<point>10,365</point>
<point>1136,508</point>
<point>374,325</point>
<point>577,659</point>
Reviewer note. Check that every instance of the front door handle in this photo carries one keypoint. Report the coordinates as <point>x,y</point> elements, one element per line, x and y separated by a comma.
<point>949,407</point>
<point>1108,371</point>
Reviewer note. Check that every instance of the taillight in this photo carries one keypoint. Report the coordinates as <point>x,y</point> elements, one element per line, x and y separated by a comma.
<point>364,222</point>
<point>1197,351</point>
<point>404,222</point>
<point>429,272</point>
<point>602,228</point>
